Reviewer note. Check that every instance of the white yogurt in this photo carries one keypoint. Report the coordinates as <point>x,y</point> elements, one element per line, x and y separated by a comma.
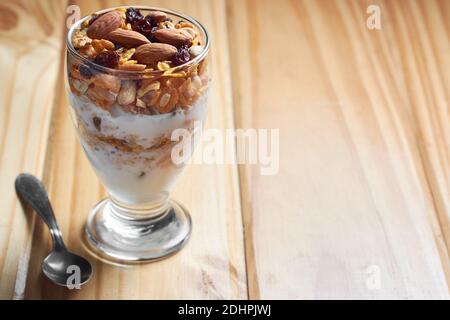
<point>130,177</point>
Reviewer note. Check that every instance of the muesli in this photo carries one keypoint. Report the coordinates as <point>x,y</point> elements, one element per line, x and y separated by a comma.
<point>134,77</point>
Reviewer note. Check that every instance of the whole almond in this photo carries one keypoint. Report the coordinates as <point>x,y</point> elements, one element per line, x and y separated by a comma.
<point>104,25</point>
<point>103,98</point>
<point>127,38</point>
<point>106,81</point>
<point>157,16</point>
<point>127,93</point>
<point>175,37</point>
<point>154,52</point>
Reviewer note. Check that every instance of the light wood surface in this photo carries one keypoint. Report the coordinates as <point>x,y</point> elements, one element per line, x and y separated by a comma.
<point>364,181</point>
<point>30,47</point>
<point>352,192</point>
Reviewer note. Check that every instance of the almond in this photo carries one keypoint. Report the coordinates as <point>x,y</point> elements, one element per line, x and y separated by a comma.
<point>127,93</point>
<point>106,81</point>
<point>157,16</point>
<point>127,38</point>
<point>103,98</point>
<point>154,52</point>
<point>175,37</point>
<point>105,24</point>
<point>167,101</point>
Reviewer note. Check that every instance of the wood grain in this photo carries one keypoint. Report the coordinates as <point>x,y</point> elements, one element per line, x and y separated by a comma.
<point>352,197</point>
<point>29,64</point>
<point>428,93</point>
<point>364,181</point>
<point>212,265</point>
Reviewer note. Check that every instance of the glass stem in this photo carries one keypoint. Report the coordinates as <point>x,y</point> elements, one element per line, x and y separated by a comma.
<point>148,211</point>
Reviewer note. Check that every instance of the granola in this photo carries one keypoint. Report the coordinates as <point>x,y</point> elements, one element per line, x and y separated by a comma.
<point>150,49</point>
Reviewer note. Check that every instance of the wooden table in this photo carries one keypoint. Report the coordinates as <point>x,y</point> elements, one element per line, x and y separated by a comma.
<point>361,205</point>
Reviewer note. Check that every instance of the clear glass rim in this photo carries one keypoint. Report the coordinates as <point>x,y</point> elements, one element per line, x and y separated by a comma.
<point>188,18</point>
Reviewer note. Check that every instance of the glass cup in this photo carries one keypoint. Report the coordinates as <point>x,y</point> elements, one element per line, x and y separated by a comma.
<point>131,146</point>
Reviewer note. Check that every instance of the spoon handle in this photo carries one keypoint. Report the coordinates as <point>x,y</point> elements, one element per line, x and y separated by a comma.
<point>32,190</point>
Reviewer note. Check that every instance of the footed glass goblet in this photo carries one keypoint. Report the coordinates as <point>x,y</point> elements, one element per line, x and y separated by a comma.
<point>126,106</point>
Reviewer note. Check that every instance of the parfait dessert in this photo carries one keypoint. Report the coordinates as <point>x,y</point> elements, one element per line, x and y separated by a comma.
<point>134,76</point>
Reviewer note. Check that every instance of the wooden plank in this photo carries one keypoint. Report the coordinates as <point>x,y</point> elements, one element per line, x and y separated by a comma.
<point>350,214</point>
<point>29,63</point>
<point>425,34</point>
<point>212,265</point>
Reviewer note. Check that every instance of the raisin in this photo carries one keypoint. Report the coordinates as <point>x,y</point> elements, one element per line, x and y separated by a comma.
<point>97,123</point>
<point>133,15</point>
<point>144,27</point>
<point>149,20</point>
<point>85,71</point>
<point>182,56</point>
<point>109,59</point>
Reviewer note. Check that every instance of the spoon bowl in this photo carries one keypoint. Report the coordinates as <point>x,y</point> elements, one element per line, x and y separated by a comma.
<point>59,266</point>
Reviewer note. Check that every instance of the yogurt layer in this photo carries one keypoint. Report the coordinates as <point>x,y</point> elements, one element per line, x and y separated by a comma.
<point>132,153</point>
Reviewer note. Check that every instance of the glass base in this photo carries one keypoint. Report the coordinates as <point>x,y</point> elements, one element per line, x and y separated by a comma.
<point>117,234</point>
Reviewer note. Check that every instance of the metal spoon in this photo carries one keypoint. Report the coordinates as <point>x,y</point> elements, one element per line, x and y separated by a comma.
<point>60,264</point>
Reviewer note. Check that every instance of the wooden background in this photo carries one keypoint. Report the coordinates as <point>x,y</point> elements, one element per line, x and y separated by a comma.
<point>364,183</point>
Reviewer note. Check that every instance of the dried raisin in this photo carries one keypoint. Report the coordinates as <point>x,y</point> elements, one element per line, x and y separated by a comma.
<point>109,59</point>
<point>143,26</point>
<point>133,15</point>
<point>182,56</point>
